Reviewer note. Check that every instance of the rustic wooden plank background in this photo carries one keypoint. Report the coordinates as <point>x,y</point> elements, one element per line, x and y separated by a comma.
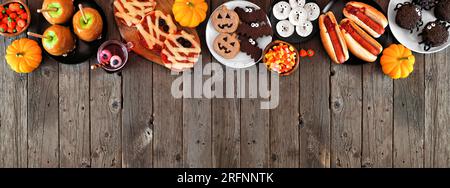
<point>329,116</point>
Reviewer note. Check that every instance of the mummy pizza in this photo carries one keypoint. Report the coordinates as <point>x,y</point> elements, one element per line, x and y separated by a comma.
<point>181,51</point>
<point>297,3</point>
<point>132,12</point>
<point>297,16</point>
<point>281,10</point>
<point>313,11</point>
<point>285,28</point>
<point>304,29</point>
<point>155,28</point>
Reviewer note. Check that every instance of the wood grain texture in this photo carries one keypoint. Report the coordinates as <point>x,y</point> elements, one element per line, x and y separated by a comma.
<point>329,115</point>
<point>314,108</point>
<point>197,119</point>
<point>43,109</point>
<point>437,110</point>
<point>74,127</point>
<point>106,108</point>
<point>13,113</point>
<point>346,102</point>
<point>409,118</point>
<point>168,127</point>
<point>137,122</point>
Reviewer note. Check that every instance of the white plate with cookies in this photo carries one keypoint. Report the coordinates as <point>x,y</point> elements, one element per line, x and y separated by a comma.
<point>223,46</point>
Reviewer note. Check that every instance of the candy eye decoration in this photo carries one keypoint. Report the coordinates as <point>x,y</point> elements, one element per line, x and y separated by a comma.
<point>249,10</point>
<point>253,42</point>
<point>433,25</point>
<point>254,25</point>
<point>105,55</point>
<point>116,61</point>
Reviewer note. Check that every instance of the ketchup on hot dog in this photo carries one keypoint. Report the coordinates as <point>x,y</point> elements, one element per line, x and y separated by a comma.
<point>331,28</point>
<point>360,13</point>
<point>355,35</point>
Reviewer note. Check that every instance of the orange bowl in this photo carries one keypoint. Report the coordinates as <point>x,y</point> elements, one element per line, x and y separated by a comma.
<point>27,10</point>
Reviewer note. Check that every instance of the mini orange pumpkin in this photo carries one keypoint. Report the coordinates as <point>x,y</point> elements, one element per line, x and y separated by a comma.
<point>190,13</point>
<point>24,55</point>
<point>397,61</point>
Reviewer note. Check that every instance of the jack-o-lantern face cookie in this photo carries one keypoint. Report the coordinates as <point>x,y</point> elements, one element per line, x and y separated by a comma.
<point>225,20</point>
<point>227,45</point>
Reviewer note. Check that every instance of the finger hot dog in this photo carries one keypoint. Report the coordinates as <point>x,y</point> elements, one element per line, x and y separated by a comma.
<point>361,44</point>
<point>367,17</point>
<point>332,38</point>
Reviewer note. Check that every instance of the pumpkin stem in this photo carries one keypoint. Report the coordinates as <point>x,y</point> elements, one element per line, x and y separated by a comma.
<point>189,3</point>
<point>20,54</point>
<point>403,58</point>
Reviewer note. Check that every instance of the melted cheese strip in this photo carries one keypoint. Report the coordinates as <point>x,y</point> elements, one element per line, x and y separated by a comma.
<point>154,34</point>
<point>131,10</point>
<point>179,52</point>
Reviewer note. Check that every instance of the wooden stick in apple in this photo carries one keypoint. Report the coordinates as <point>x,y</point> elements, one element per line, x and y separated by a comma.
<point>37,35</point>
<point>47,10</point>
<point>80,6</point>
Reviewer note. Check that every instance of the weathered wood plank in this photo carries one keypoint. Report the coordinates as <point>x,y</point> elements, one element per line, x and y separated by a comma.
<point>137,123</point>
<point>13,113</point>
<point>168,119</point>
<point>437,110</point>
<point>346,102</point>
<point>284,124</point>
<point>74,129</point>
<point>197,121</point>
<point>314,107</point>
<point>255,121</point>
<point>106,108</point>
<point>377,114</point>
<point>226,122</point>
<point>43,135</point>
<point>377,117</point>
<point>409,118</point>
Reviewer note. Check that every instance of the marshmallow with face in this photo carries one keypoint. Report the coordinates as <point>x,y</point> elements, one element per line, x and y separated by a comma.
<point>298,16</point>
<point>285,28</point>
<point>281,10</point>
<point>297,3</point>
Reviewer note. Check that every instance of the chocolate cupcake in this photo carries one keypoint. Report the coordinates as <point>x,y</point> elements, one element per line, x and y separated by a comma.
<point>425,4</point>
<point>434,34</point>
<point>409,16</point>
<point>442,10</point>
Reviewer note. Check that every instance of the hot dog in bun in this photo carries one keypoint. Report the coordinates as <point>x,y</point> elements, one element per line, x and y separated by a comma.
<point>367,17</point>
<point>332,38</point>
<point>361,44</point>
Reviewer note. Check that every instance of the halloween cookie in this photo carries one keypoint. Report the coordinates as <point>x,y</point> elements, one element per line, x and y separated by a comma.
<point>281,10</point>
<point>304,29</point>
<point>250,47</point>
<point>227,45</point>
<point>251,15</point>
<point>255,30</point>
<point>225,20</point>
<point>285,28</point>
<point>155,28</point>
<point>298,15</point>
<point>313,11</point>
<point>297,3</point>
<point>181,51</point>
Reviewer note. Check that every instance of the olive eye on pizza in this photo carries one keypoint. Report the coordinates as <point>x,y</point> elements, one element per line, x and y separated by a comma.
<point>132,12</point>
<point>181,51</point>
<point>155,28</point>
